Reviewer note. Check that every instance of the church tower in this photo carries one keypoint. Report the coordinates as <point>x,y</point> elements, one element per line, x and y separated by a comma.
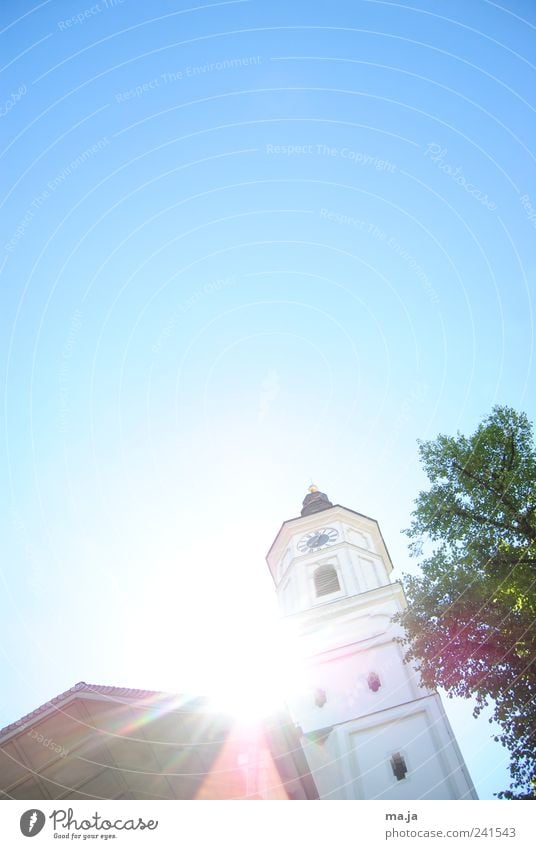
<point>370,731</point>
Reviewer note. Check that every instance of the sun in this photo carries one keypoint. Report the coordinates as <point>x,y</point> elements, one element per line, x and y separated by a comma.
<point>259,675</point>
<point>218,640</point>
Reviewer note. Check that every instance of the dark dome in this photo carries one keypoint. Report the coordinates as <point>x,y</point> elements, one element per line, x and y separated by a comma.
<point>315,501</point>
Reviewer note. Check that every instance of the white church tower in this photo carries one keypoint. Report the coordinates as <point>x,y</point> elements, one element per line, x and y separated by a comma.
<point>370,730</point>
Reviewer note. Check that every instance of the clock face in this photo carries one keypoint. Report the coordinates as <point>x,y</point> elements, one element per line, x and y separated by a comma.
<point>317,539</point>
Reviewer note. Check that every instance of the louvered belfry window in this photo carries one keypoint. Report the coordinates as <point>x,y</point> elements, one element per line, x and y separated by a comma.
<point>326,580</point>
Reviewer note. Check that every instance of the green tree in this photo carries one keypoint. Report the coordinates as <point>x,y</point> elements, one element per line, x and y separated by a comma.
<point>471,618</point>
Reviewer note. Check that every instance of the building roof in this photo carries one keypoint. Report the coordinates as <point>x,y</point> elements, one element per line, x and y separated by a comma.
<point>97,741</point>
<point>114,693</point>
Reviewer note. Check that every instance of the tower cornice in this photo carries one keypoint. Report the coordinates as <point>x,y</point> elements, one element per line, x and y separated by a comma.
<point>305,523</point>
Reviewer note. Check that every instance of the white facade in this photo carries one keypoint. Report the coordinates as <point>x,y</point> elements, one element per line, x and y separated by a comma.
<point>370,730</point>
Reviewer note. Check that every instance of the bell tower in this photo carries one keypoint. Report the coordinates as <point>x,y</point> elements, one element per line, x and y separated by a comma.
<point>370,731</point>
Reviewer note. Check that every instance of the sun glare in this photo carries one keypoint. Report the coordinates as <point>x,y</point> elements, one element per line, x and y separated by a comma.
<point>257,676</point>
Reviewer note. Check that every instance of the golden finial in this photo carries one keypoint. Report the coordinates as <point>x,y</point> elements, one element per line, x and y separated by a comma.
<point>313,488</point>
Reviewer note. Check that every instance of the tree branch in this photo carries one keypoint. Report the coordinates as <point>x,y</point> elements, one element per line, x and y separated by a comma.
<point>521,519</point>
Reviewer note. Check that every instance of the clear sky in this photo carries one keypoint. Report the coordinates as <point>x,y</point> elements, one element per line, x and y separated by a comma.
<point>244,244</point>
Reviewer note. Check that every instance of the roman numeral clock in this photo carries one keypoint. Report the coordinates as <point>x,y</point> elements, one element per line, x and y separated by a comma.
<point>315,540</point>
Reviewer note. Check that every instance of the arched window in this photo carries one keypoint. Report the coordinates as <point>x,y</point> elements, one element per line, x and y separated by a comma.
<point>373,680</point>
<point>326,581</point>
<point>320,697</point>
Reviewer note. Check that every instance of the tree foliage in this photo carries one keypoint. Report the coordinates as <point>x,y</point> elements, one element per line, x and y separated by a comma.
<point>471,618</point>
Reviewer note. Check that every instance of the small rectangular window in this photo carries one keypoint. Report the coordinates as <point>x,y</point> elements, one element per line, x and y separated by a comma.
<point>398,765</point>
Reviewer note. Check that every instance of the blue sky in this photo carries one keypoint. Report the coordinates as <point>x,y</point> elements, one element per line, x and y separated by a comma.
<point>244,245</point>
